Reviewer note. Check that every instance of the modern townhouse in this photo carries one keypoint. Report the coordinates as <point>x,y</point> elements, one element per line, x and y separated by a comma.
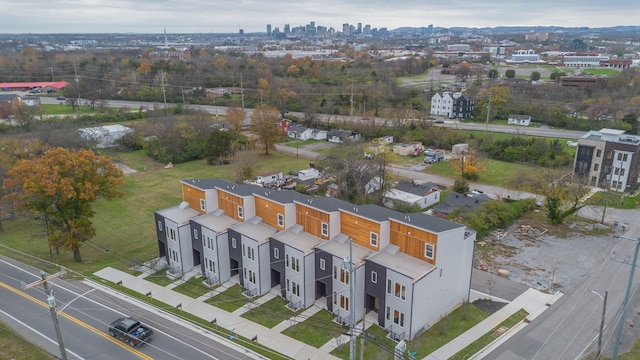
<point>452,105</point>
<point>319,250</point>
<point>608,158</point>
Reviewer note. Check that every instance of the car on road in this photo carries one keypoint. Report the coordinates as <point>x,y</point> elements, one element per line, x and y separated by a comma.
<point>61,98</point>
<point>130,330</point>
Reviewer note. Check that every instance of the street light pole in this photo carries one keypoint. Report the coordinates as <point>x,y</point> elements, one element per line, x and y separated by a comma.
<point>352,314</point>
<point>604,309</point>
<point>627,294</point>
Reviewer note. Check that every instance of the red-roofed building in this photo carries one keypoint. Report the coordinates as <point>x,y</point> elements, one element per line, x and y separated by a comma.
<point>45,86</point>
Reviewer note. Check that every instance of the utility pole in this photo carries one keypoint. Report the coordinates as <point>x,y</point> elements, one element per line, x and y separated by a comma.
<point>164,92</point>
<point>604,309</point>
<point>52,305</point>
<point>241,92</point>
<point>75,71</point>
<point>364,325</point>
<point>51,68</point>
<point>486,127</point>
<point>627,294</point>
<point>352,312</point>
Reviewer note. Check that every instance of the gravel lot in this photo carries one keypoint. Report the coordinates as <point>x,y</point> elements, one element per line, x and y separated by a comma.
<point>534,253</point>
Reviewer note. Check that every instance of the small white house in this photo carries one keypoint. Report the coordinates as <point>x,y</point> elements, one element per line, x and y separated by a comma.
<point>522,120</point>
<point>104,136</point>
<point>271,176</point>
<point>308,176</point>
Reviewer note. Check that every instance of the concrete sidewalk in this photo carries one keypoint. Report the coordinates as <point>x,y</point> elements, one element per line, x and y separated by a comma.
<point>269,338</point>
<point>533,301</point>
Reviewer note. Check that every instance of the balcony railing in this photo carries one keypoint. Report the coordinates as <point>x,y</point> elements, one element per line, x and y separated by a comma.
<point>396,336</point>
<point>250,292</point>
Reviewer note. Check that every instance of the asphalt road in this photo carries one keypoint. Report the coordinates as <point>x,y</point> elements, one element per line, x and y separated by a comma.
<point>84,315</point>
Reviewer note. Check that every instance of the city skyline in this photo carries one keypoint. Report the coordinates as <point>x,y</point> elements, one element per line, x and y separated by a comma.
<point>152,16</point>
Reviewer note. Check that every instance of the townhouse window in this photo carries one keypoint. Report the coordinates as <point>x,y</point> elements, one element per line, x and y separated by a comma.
<point>159,225</point>
<point>616,171</point>
<point>429,251</point>
<point>619,156</point>
<point>624,157</point>
<point>335,298</point>
<point>202,205</point>
<point>374,277</point>
<point>280,220</point>
<point>233,243</point>
<point>252,253</point>
<point>288,285</point>
<point>244,250</point>
<point>240,212</point>
<point>276,253</point>
<point>322,264</point>
<point>210,243</point>
<point>344,302</point>
<point>244,273</point>
<point>325,229</point>
<point>621,171</point>
<point>172,234</point>
<point>295,264</point>
<point>373,239</point>
<point>286,263</point>
<point>388,313</point>
<point>400,291</point>
<point>344,276</point>
<point>398,318</point>
<point>598,152</point>
<point>335,272</point>
<point>595,167</point>
<point>195,234</point>
<point>389,286</point>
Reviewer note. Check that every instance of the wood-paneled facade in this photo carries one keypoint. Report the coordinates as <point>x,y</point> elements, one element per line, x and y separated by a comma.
<point>312,221</point>
<point>360,229</point>
<point>412,240</point>
<point>194,196</point>
<point>230,204</point>
<point>271,213</point>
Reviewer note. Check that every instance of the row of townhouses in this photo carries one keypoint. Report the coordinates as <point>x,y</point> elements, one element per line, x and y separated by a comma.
<point>609,158</point>
<point>410,269</point>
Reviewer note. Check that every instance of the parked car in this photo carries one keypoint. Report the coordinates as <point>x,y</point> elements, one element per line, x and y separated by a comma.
<point>61,98</point>
<point>130,330</point>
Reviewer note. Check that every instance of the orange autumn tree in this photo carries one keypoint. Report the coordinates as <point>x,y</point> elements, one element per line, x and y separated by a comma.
<point>62,185</point>
<point>469,165</point>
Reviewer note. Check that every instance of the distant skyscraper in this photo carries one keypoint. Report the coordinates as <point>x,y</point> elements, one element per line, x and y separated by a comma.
<point>359,28</point>
<point>268,30</point>
<point>287,28</point>
<point>345,29</point>
<point>367,29</point>
<point>241,32</point>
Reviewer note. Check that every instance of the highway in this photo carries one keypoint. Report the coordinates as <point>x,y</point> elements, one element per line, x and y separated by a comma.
<point>84,314</point>
<point>454,124</point>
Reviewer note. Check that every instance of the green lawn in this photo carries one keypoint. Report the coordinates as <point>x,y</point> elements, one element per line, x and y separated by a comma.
<point>64,109</point>
<point>498,173</point>
<point>297,143</point>
<point>377,346</point>
<point>230,300</point>
<point>14,346</point>
<point>316,330</point>
<point>615,200</point>
<point>193,287</point>
<point>598,72</point>
<point>159,278</point>
<point>125,229</point>
<point>271,313</point>
<point>488,338</point>
<point>446,330</point>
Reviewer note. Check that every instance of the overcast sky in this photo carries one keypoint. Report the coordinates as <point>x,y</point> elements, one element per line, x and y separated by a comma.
<point>204,16</point>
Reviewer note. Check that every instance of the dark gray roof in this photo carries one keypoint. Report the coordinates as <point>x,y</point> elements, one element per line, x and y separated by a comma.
<point>7,97</point>
<point>326,204</point>
<point>299,128</point>
<point>281,196</point>
<point>373,212</point>
<point>413,188</point>
<point>207,184</point>
<point>520,117</point>
<point>339,133</point>
<point>456,200</point>
<point>424,221</point>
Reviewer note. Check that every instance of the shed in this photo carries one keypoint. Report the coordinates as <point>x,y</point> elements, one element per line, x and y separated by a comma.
<point>522,120</point>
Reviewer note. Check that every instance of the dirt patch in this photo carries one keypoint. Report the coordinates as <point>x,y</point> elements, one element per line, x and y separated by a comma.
<point>489,306</point>
<point>542,256</point>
